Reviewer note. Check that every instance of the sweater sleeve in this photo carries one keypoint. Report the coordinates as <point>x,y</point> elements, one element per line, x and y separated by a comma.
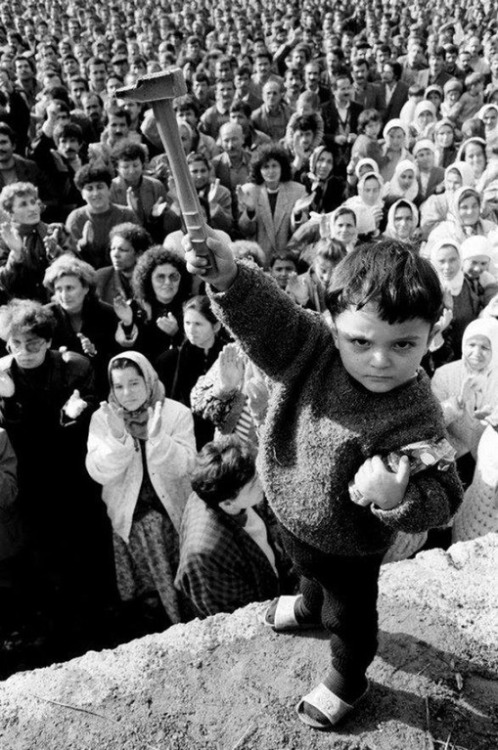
<point>276,334</point>
<point>107,457</point>
<point>173,452</point>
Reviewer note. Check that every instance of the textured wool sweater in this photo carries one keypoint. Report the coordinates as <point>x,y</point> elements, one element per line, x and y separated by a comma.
<point>322,425</point>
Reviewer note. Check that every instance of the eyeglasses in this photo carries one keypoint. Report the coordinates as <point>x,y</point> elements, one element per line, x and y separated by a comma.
<point>32,347</point>
<point>163,278</point>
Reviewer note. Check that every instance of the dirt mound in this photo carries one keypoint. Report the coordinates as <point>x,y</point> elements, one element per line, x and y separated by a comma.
<point>229,683</point>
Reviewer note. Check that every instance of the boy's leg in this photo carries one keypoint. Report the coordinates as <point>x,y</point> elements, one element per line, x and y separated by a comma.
<point>349,613</point>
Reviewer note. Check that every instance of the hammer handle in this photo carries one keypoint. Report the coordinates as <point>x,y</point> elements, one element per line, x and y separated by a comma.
<point>187,194</point>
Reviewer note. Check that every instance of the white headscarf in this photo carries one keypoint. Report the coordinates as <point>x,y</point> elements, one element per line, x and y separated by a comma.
<point>393,188</point>
<point>454,285</point>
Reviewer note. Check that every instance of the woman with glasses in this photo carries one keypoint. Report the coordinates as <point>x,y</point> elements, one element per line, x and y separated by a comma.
<point>46,417</point>
<point>161,285</point>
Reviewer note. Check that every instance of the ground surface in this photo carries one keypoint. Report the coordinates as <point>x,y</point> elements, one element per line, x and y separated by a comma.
<point>229,683</point>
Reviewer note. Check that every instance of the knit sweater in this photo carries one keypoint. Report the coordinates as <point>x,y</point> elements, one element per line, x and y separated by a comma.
<point>322,425</point>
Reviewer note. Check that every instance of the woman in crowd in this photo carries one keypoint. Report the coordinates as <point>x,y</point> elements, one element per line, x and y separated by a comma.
<point>127,242</point>
<point>161,285</point>
<point>435,209</point>
<point>473,152</point>
<point>179,369</point>
<point>46,416</point>
<point>461,298</point>
<point>328,191</point>
<point>402,185</point>
<point>267,203</point>
<point>468,390</point>
<point>141,449</point>
<point>463,219</point>
<point>368,204</point>
<point>342,225</point>
<point>83,323</point>
<point>395,149</point>
<point>444,139</point>
<point>402,221</point>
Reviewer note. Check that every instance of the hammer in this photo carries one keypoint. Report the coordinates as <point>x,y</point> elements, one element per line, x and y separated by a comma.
<point>160,89</point>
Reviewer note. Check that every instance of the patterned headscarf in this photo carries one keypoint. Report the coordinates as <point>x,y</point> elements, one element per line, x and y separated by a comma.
<point>136,421</point>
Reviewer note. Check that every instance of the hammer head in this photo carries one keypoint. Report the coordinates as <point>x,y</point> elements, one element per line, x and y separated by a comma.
<point>167,84</point>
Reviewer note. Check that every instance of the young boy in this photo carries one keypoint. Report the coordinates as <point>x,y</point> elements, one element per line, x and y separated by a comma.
<point>339,401</point>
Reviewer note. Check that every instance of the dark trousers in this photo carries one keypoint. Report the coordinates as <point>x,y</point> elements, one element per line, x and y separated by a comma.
<point>342,592</point>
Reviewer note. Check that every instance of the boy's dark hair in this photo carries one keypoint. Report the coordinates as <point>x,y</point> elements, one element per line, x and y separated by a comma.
<point>136,235</point>
<point>243,107</point>
<point>331,250</point>
<point>185,103</point>
<point>223,467</point>
<point>305,123</point>
<point>401,283</point>
<point>366,117</point>
<point>97,172</point>
<point>262,155</point>
<point>7,131</point>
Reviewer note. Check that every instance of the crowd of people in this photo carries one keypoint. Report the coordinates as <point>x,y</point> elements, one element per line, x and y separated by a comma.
<point>310,132</point>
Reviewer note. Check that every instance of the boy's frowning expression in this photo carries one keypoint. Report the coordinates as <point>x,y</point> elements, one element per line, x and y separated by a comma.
<point>380,355</point>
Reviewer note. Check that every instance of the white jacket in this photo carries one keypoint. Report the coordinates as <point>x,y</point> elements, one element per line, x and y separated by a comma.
<point>117,465</point>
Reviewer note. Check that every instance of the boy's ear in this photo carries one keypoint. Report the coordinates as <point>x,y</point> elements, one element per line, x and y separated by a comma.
<point>434,332</point>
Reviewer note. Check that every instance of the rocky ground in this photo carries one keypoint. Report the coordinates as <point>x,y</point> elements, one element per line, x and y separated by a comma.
<point>229,683</point>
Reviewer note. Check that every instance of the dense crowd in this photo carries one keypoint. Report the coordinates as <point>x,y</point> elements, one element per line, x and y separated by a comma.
<point>131,416</point>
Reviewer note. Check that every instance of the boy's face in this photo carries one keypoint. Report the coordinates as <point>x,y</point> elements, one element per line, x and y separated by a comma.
<point>425,159</point>
<point>379,355</point>
<point>281,272</point>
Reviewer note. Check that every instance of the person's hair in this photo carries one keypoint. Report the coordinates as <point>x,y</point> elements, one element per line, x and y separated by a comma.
<point>136,235</point>
<point>185,103</point>
<point>16,190</point>
<point>96,172</point>
<point>201,304</point>
<point>142,275</point>
<point>26,316</point>
<point>261,54</point>
<point>198,156</point>
<point>128,151</point>
<point>438,52</point>
<point>415,90</point>
<point>401,283</point>
<point>67,130</point>
<point>123,364</point>
<point>331,250</point>
<point>243,70</point>
<point>120,112</point>
<point>345,211</point>
<point>262,156</point>
<point>366,117</point>
<point>222,469</point>
<point>396,68</point>
<point>95,61</point>
<point>249,250</point>
<point>341,76</point>
<point>7,132</point>
<point>305,122</point>
<point>68,265</point>
<point>243,107</point>
<point>472,128</point>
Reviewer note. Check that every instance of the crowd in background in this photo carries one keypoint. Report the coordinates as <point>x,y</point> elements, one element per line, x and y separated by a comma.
<point>130,420</point>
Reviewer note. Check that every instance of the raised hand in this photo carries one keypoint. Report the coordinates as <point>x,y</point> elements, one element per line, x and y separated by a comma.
<point>88,347</point>
<point>231,368</point>
<point>122,309</point>
<point>10,235</point>
<point>245,200</point>
<point>303,204</point>
<point>213,188</point>
<point>87,235</point>
<point>257,398</point>
<point>154,422</point>
<point>158,208</point>
<point>114,419</point>
<point>168,324</point>
<point>297,289</point>
<point>74,406</point>
<point>7,387</point>
<point>222,272</point>
<point>131,200</point>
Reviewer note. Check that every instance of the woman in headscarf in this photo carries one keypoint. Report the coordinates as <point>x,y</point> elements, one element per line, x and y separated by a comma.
<point>403,184</point>
<point>444,140</point>
<point>424,119</point>
<point>141,449</point>
<point>342,225</point>
<point>328,190</point>
<point>368,204</point>
<point>460,297</point>
<point>395,149</point>
<point>435,209</point>
<point>489,116</point>
<point>463,219</point>
<point>473,152</point>
<point>402,221</point>
<point>468,389</point>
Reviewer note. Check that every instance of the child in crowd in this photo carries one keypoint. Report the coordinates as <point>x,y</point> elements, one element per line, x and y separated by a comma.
<point>340,400</point>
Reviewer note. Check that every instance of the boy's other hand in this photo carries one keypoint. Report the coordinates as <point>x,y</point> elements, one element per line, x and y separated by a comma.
<point>222,274</point>
<point>376,484</point>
